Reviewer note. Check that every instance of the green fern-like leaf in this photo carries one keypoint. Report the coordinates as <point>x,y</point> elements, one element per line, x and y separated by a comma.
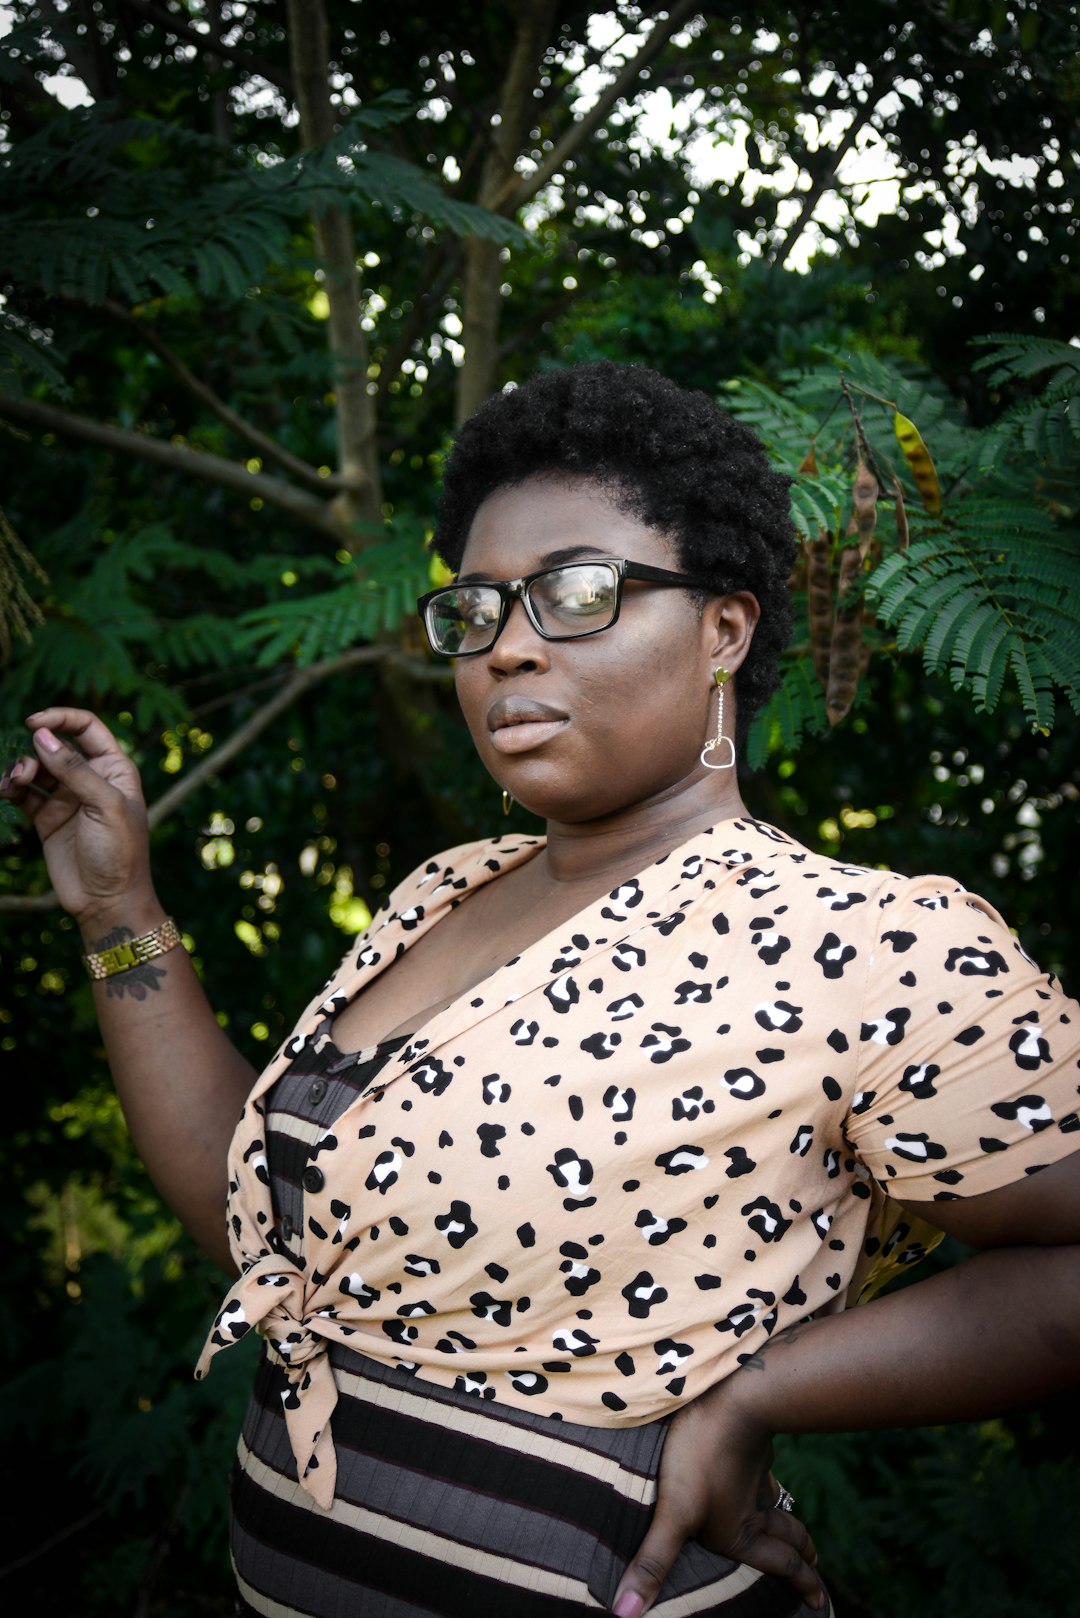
<point>996,590</point>
<point>785,422</point>
<point>112,636</point>
<point>377,595</point>
<point>21,346</point>
<point>1045,425</point>
<point>12,824</point>
<point>1036,682</point>
<point>806,413</point>
<point>818,503</point>
<point>990,592</point>
<point>1012,356</point>
<point>153,231</point>
<point>796,709</point>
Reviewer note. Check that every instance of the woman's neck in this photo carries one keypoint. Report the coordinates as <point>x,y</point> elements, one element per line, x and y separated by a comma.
<point>591,852</point>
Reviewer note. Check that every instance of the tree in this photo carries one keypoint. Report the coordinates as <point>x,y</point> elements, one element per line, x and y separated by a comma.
<point>221,425</point>
<point>198,227</point>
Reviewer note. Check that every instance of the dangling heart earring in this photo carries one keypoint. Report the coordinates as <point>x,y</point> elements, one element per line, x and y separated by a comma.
<point>720,741</point>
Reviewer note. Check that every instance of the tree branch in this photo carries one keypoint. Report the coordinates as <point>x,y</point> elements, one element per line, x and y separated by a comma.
<point>480,296</point>
<point>77,34</point>
<point>58,1538</point>
<point>163,18</point>
<point>539,318</point>
<point>309,49</point>
<point>301,682</point>
<point>267,446</point>
<point>245,734</point>
<point>436,279</point>
<point>220,120</point>
<point>522,187</point>
<point>306,508</point>
<point>824,180</point>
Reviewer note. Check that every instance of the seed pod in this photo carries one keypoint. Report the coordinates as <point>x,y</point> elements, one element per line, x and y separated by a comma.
<point>846,648</point>
<point>864,498</point>
<point>918,458</point>
<point>903,533</point>
<point>19,612</point>
<point>846,645</point>
<point>819,603</point>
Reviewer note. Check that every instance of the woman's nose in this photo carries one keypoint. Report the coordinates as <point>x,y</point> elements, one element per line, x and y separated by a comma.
<point>518,645</point>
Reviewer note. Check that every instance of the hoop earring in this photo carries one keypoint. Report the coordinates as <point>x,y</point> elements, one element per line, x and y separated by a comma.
<point>507,802</point>
<point>720,741</point>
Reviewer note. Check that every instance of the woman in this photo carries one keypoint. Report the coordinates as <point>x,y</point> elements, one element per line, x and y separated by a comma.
<point>582,1183</point>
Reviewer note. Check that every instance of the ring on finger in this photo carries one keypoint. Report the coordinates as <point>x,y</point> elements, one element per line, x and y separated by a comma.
<point>785,1500</point>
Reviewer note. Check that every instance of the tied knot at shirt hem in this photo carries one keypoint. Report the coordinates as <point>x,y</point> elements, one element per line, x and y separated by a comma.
<point>269,1298</point>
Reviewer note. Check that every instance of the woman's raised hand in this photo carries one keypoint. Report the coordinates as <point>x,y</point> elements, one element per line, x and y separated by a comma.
<point>84,798</point>
<point>716,1486</point>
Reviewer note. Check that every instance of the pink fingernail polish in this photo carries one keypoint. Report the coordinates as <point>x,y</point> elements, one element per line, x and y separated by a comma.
<point>629,1605</point>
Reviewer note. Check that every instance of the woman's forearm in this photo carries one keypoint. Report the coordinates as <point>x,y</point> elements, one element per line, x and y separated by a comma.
<point>996,1331</point>
<point>180,1080</point>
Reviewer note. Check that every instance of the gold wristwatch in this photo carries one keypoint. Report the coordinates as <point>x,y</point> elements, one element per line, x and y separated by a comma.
<point>107,963</point>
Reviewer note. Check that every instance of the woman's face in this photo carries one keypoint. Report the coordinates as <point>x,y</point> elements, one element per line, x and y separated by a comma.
<point>579,729</point>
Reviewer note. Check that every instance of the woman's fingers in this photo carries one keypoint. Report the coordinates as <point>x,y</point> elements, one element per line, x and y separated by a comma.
<point>82,794</point>
<point>783,1548</point>
<point>772,1542</point>
<point>775,1541</point>
<point>644,1577</point>
<point>27,784</point>
<point>94,739</point>
<point>784,1525</point>
<point>54,731</point>
<point>771,1550</point>
<point>74,762</point>
<point>71,770</point>
<point>74,748</point>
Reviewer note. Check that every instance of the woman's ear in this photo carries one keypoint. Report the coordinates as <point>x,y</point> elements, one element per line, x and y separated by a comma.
<point>729,623</point>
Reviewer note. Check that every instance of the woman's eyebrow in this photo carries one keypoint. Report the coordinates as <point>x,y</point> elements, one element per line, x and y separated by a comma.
<point>574,553</point>
<point>565,553</point>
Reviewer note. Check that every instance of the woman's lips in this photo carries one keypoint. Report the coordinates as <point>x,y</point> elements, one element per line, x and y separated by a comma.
<point>517,724</point>
<point>528,733</point>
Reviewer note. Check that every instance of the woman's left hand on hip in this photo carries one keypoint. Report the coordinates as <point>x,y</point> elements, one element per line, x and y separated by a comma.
<point>716,1486</point>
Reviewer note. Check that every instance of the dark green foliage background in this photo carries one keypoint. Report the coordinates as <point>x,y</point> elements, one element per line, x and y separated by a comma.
<point>167,609</point>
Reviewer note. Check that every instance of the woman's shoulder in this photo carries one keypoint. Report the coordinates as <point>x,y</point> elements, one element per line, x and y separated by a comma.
<point>871,908</point>
<point>825,876</point>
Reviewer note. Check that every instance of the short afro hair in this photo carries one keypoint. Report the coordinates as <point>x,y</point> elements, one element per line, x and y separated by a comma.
<point>671,458</point>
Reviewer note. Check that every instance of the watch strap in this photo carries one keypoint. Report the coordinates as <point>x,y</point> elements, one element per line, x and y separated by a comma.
<point>106,963</point>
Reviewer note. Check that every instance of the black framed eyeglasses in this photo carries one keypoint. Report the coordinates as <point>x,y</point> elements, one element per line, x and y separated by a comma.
<point>562,603</point>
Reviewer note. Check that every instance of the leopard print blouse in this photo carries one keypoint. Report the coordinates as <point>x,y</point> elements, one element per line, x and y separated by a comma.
<point>684,1120</point>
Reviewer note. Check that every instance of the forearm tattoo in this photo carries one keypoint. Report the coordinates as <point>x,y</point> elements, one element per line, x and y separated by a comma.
<point>137,981</point>
<point>790,1334</point>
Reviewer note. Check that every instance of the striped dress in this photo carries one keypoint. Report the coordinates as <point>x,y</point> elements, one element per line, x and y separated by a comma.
<point>446,1503</point>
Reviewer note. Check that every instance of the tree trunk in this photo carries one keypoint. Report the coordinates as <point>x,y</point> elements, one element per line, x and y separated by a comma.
<point>309,51</point>
<point>503,190</point>
<point>480,293</point>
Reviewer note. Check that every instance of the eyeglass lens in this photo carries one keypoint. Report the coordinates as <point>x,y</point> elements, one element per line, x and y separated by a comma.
<point>565,601</point>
